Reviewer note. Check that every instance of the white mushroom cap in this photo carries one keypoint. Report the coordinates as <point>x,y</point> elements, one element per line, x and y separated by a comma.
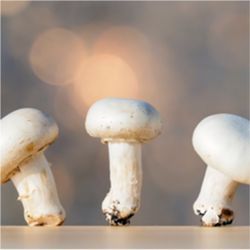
<point>223,142</point>
<point>24,132</point>
<point>123,119</point>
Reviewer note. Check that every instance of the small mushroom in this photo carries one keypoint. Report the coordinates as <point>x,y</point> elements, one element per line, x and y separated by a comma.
<point>223,143</point>
<point>124,124</point>
<point>25,134</point>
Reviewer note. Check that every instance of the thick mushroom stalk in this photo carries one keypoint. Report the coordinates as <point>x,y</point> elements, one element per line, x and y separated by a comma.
<point>37,191</point>
<point>213,204</point>
<point>223,143</point>
<point>124,124</point>
<point>123,199</point>
<point>25,134</point>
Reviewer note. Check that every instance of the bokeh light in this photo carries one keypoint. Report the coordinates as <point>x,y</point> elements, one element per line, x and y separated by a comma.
<point>10,8</point>
<point>56,55</point>
<point>105,75</point>
<point>136,49</point>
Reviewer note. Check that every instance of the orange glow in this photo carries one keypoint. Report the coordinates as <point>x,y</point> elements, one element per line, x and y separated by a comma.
<point>9,8</point>
<point>135,48</point>
<point>56,55</point>
<point>151,61</point>
<point>105,76</point>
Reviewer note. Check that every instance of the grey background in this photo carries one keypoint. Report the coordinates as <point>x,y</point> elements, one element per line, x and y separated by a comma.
<point>200,66</point>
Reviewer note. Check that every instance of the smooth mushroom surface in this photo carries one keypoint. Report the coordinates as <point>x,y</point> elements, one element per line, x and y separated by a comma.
<point>25,134</point>
<point>223,143</point>
<point>124,124</point>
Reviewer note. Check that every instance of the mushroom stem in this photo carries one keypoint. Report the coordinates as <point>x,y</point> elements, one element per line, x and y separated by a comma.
<point>123,199</point>
<point>37,191</point>
<point>213,204</point>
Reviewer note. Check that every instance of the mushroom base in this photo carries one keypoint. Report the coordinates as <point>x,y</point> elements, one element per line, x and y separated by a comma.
<point>117,214</point>
<point>214,202</point>
<point>47,220</point>
<point>211,218</point>
<point>114,218</point>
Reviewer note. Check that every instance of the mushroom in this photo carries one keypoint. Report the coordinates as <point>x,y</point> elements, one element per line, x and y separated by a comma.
<point>223,143</point>
<point>25,134</point>
<point>124,124</point>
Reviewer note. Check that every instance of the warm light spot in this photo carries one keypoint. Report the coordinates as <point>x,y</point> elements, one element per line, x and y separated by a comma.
<point>135,48</point>
<point>9,8</point>
<point>56,55</point>
<point>149,59</point>
<point>105,76</point>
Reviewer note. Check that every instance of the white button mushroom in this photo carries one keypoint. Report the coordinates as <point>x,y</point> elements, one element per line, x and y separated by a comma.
<point>223,143</point>
<point>25,134</point>
<point>124,124</point>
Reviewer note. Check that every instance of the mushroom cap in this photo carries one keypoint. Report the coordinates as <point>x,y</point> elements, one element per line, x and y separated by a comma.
<point>223,142</point>
<point>24,132</point>
<point>123,120</point>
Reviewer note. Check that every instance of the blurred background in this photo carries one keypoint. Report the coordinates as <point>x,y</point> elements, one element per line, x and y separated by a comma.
<point>188,59</point>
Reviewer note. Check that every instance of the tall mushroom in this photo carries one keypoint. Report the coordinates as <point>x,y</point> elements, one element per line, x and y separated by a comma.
<point>124,124</point>
<point>223,143</point>
<point>25,134</point>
